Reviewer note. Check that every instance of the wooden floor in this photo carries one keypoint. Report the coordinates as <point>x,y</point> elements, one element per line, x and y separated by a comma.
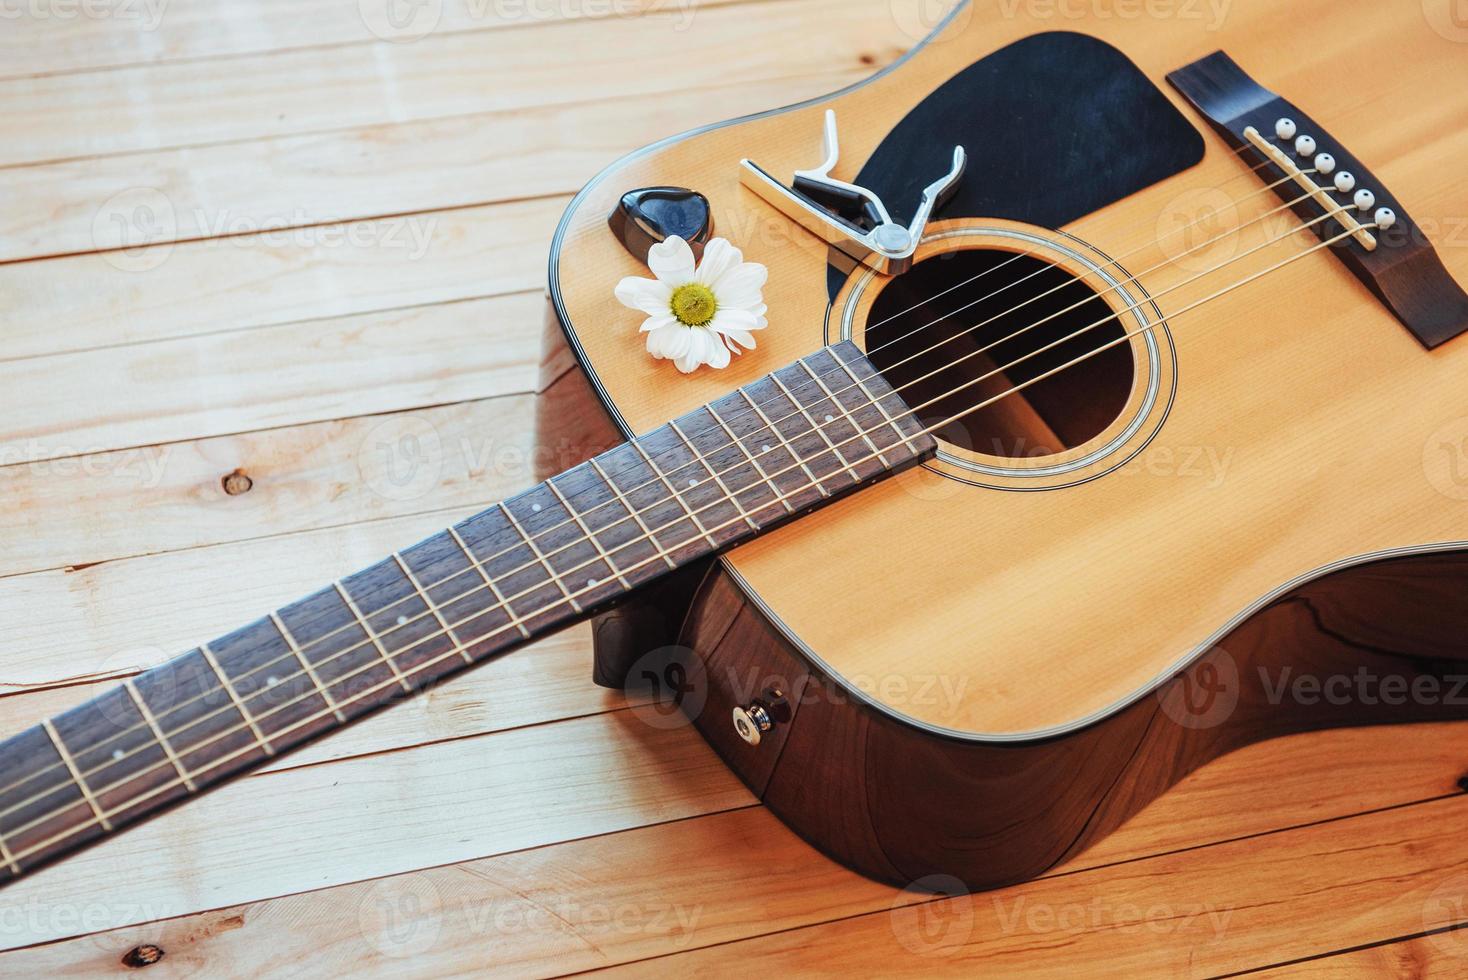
<point>337,302</point>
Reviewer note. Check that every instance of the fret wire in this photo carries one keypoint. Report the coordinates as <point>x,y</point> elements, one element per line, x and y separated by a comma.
<point>703,531</point>
<point>611,566</point>
<point>534,550</point>
<point>158,735</point>
<point>855,423</point>
<point>310,671</point>
<point>806,412</point>
<point>752,461</point>
<point>234,696</point>
<point>500,600</point>
<point>627,504</point>
<point>788,447</point>
<point>372,635</point>
<point>6,857</point>
<point>76,776</point>
<point>413,581</point>
<point>874,400</point>
<point>714,473</point>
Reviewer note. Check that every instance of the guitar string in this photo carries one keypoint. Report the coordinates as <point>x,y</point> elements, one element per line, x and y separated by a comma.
<point>1109,264</point>
<point>1176,231</point>
<point>1020,360</point>
<point>478,564</point>
<point>516,621</point>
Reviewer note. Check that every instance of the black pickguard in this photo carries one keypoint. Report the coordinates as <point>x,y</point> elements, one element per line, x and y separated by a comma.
<point>1056,125</point>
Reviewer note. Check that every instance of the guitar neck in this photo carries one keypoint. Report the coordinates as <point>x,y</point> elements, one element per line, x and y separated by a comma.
<point>557,553</point>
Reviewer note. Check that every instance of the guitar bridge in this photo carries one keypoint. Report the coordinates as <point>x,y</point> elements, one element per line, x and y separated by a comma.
<point>1397,263</point>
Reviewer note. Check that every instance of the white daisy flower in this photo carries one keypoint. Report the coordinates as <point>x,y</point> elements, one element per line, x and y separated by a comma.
<point>698,315</point>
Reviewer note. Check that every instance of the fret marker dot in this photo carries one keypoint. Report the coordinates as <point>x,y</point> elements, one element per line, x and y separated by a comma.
<point>830,418</point>
<point>693,483</point>
<point>764,449</point>
<point>402,620</point>
<point>535,508</point>
<point>272,681</point>
<point>591,581</point>
<point>117,755</point>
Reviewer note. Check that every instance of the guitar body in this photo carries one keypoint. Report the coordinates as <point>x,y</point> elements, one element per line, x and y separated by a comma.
<point>988,662</point>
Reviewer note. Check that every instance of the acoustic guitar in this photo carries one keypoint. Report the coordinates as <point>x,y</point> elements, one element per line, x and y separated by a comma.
<point>1112,413</point>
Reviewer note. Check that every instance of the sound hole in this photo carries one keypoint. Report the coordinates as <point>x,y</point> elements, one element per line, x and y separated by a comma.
<point>984,314</point>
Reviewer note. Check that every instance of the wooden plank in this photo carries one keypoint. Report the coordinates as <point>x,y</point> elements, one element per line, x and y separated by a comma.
<point>1205,912</point>
<point>170,195</point>
<point>190,103</point>
<point>271,376</point>
<point>62,38</point>
<point>168,292</point>
<point>660,890</point>
<point>107,506</point>
<point>286,831</point>
<point>90,618</point>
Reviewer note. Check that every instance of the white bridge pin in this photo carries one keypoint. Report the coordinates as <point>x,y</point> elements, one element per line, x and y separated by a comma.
<point>1385,218</point>
<point>1305,146</point>
<point>1345,181</point>
<point>1284,128</point>
<point>1324,163</point>
<point>1364,200</point>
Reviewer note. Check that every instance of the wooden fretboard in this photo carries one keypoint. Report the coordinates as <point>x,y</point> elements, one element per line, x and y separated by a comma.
<point>555,554</point>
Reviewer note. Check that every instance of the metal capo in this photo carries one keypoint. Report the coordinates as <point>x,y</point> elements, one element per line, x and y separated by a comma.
<point>851,218</point>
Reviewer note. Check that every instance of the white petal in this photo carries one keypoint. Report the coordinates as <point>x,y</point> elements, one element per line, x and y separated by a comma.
<point>716,354</point>
<point>742,320</point>
<point>741,286</point>
<point>648,295</point>
<point>671,261</point>
<point>718,258</point>
<point>667,340</point>
<point>659,322</point>
<point>743,337</point>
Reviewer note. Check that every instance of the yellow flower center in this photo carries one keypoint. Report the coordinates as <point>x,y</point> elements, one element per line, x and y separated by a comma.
<point>694,304</point>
